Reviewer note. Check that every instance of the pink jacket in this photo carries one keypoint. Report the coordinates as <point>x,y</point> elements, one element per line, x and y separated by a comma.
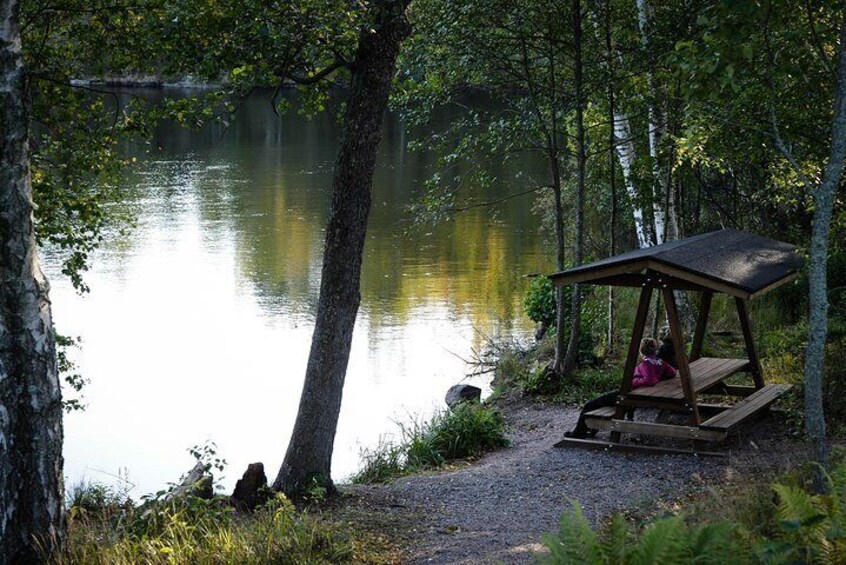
<point>650,371</point>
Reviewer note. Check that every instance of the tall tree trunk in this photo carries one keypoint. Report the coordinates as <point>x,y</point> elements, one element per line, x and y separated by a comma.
<point>612,245</point>
<point>572,357</point>
<point>560,312</point>
<point>627,156</point>
<point>818,287</point>
<point>656,123</point>
<point>623,143</point>
<point>309,454</point>
<point>31,487</point>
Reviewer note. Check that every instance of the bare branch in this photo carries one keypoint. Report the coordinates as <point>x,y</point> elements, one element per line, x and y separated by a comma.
<point>319,75</point>
<point>499,200</point>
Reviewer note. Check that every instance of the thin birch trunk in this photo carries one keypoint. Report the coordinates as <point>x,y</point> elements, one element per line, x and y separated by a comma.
<point>31,488</point>
<point>623,143</point>
<point>656,125</point>
<point>818,286</point>
<point>627,155</point>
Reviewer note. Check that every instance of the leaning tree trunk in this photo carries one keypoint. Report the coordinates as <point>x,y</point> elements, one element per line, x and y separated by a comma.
<point>309,454</point>
<point>30,398</point>
<point>818,287</point>
<point>572,358</point>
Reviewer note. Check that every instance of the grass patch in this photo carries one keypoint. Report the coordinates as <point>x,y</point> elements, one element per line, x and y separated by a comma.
<point>467,430</point>
<point>104,527</point>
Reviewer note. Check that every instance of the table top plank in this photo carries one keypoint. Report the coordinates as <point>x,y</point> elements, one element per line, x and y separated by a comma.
<point>705,372</point>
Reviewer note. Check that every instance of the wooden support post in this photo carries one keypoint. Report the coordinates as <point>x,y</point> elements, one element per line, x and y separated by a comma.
<point>751,352</point>
<point>701,323</point>
<point>634,350</point>
<point>677,337</point>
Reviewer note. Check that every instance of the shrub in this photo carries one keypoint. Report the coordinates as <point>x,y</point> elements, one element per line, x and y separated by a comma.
<point>467,430</point>
<point>539,302</point>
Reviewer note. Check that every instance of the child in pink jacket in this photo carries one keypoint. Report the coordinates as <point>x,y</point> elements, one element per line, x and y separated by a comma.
<point>652,369</point>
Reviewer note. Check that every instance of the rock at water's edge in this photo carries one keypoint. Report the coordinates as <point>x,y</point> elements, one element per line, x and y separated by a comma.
<point>462,393</point>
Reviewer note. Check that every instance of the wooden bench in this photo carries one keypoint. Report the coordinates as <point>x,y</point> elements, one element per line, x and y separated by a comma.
<point>705,372</point>
<point>746,408</point>
<point>605,413</point>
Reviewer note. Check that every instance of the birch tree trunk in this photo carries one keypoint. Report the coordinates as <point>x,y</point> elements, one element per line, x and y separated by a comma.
<point>309,454</point>
<point>656,124</point>
<point>31,486</point>
<point>818,286</point>
<point>623,144</point>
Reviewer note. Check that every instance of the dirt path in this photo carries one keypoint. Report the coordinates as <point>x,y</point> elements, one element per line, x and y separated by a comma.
<point>497,509</point>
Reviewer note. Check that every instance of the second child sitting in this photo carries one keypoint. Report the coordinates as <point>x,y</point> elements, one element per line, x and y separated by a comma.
<point>651,369</point>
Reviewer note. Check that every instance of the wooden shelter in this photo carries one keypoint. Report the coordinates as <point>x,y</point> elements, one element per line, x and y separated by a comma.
<point>726,261</point>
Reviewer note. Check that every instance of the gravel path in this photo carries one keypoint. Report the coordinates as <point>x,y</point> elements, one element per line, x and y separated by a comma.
<point>496,510</point>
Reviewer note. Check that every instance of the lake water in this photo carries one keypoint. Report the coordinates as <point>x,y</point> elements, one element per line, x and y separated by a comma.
<point>199,320</point>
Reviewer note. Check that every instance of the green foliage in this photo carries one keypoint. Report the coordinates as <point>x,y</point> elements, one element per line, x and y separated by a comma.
<point>666,541</point>
<point>99,501</point>
<point>194,531</point>
<point>466,430</point>
<point>539,302</point>
<point>812,527</point>
<point>799,527</point>
<point>67,371</point>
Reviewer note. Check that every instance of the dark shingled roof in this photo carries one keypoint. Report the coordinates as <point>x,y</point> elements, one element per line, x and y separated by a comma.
<point>727,260</point>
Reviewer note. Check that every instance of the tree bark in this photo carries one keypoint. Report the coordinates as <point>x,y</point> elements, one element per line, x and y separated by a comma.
<point>31,483</point>
<point>623,144</point>
<point>611,345</point>
<point>656,124</point>
<point>572,358</point>
<point>818,286</point>
<point>309,454</point>
<point>560,313</point>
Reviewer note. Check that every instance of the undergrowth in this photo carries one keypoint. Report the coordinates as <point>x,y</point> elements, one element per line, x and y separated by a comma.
<point>789,525</point>
<point>466,430</point>
<point>106,528</point>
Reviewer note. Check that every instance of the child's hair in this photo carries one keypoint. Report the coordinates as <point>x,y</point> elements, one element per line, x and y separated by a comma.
<point>648,346</point>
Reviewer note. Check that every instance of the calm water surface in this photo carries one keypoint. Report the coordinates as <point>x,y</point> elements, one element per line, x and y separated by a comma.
<point>199,320</point>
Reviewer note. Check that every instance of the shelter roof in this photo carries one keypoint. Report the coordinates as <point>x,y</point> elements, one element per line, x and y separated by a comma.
<point>730,261</point>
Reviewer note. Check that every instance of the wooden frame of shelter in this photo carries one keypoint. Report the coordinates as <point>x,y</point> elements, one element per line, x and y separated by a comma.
<point>726,261</point>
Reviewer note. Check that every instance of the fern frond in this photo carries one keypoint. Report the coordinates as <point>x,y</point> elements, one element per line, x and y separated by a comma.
<point>716,544</point>
<point>615,541</point>
<point>576,543</point>
<point>795,504</point>
<point>661,542</point>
